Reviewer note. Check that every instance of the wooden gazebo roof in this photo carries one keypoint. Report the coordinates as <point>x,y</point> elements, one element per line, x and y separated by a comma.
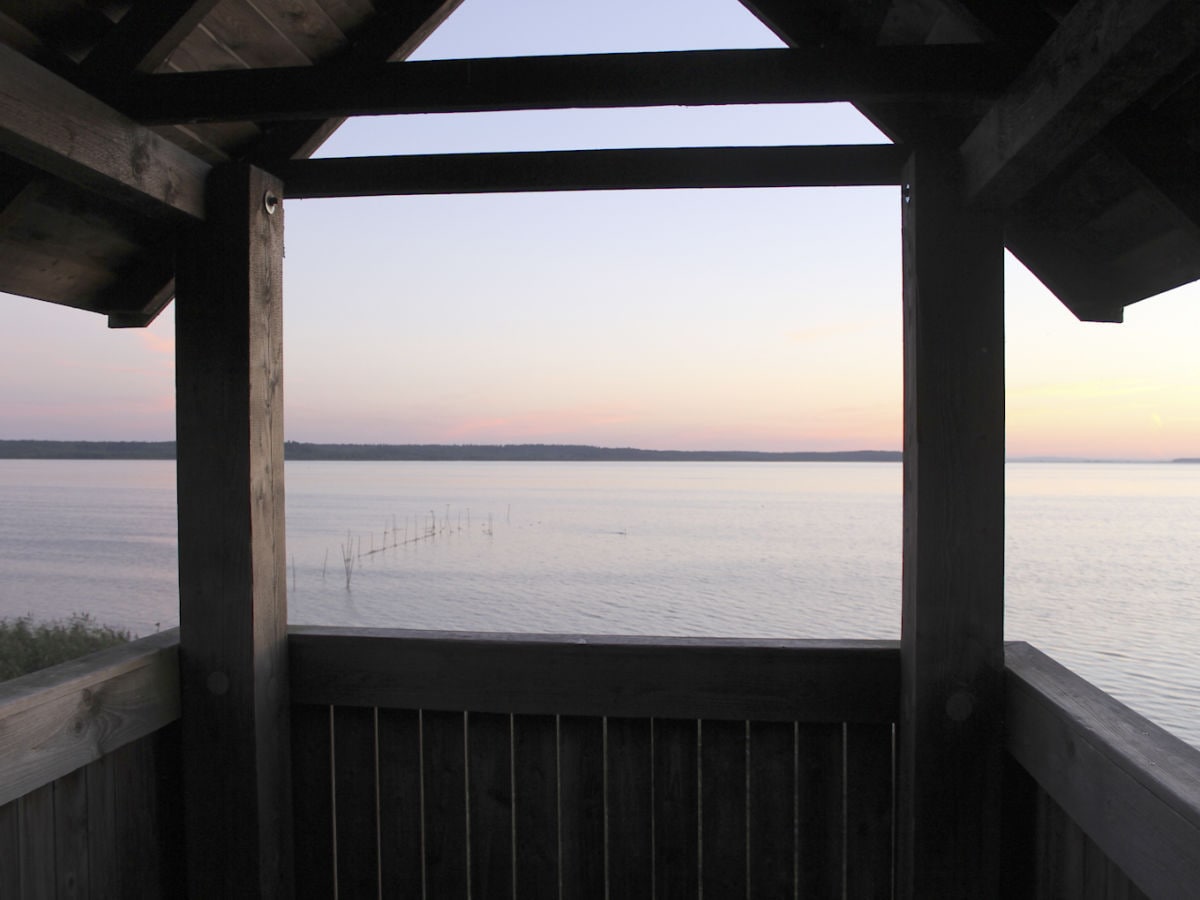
<point>1077,120</point>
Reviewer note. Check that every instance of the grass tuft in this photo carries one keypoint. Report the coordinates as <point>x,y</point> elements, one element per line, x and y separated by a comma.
<point>26,646</point>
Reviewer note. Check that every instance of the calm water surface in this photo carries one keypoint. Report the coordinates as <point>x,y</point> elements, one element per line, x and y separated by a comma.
<point>1103,568</point>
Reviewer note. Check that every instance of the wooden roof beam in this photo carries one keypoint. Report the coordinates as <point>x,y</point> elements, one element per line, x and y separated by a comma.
<point>689,78</point>
<point>593,170</point>
<point>58,128</point>
<point>1103,57</point>
<point>144,37</point>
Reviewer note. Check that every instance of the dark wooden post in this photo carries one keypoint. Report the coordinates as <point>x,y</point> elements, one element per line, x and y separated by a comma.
<point>232,574</point>
<point>951,729</point>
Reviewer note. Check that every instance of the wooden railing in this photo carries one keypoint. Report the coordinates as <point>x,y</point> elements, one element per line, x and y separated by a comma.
<point>89,780</point>
<point>451,765</point>
<point>1111,803</point>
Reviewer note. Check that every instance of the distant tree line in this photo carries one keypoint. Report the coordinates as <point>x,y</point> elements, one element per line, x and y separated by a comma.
<point>298,450</point>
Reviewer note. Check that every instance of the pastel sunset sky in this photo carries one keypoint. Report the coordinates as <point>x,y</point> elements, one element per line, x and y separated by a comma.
<point>750,319</point>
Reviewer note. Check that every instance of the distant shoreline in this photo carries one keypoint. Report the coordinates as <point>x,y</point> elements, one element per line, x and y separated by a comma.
<point>306,451</point>
<point>297,450</point>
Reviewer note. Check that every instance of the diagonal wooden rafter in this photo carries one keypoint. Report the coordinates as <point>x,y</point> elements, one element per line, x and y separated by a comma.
<point>144,37</point>
<point>397,29</point>
<point>1104,56</point>
<point>54,126</point>
<point>688,78</point>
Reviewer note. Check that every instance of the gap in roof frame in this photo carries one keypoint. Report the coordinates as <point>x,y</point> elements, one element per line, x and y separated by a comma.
<point>506,28</point>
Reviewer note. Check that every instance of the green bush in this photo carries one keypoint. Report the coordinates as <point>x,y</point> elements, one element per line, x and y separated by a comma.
<point>26,646</point>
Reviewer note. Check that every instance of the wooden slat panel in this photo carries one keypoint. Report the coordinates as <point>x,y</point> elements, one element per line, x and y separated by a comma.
<point>581,804</point>
<point>772,809</point>
<point>10,849</point>
<point>37,845</point>
<point>822,825</point>
<point>401,865</point>
<point>355,810</point>
<point>490,804</point>
<point>535,777</point>
<point>71,836</point>
<point>593,170</point>
<point>1021,848</point>
<point>763,680</point>
<point>723,808</point>
<point>60,719</point>
<point>444,772</point>
<point>312,791</point>
<point>676,809</point>
<point>628,795</point>
<point>869,811</point>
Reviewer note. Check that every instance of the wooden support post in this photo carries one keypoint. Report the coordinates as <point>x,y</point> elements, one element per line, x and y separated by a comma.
<point>952,655</point>
<point>232,574</point>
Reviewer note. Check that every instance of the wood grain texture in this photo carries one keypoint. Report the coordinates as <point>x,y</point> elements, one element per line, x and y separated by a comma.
<point>821,826</point>
<point>58,128</point>
<point>676,809</point>
<point>444,767</point>
<point>772,825</point>
<point>400,828</point>
<point>712,678</point>
<point>593,170</point>
<point>233,606</point>
<point>1102,58</point>
<point>952,656</point>
<point>723,751</point>
<point>60,719</point>
<point>1131,786</point>
<point>628,796</point>
<point>490,804</point>
<point>536,816</point>
<point>355,798</point>
<point>581,807</point>
<point>869,811</point>
<point>312,793</point>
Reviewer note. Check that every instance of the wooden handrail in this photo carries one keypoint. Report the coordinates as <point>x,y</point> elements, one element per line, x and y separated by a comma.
<point>1131,786</point>
<point>702,678</point>
<point>60,719</point>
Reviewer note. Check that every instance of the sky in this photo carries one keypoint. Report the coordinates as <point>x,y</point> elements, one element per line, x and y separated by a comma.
<point>747,319</point>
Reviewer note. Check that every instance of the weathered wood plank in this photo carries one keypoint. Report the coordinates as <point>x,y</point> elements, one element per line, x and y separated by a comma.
<point>71,847</point>
<point>445,790</point>
<point>401,863</point>
<point>490,804</point>
<point>62,718</point>
<point>822,681</point>
<point>869,811</point>
<point>58,128</point>
<point>723,808</point>
<point>10,849</point>
<point>312,792</point>
<point>232,576</point>
<point>38,881</point>
<point>772,826</point>
<point>1104,56</point>
<point>144,37</point>
<point>593,170</point>
<point>682,78</point>
<point>355,799</point>
<point>581,806</point>
<point>628,798</point>
<point>535,816</point>
<point>952,656</point>
<point>676,809</point>
<point>820,751</point>
<point>1131,786</point>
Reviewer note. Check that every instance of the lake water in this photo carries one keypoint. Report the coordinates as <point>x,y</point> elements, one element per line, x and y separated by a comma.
<point>1102,560</point>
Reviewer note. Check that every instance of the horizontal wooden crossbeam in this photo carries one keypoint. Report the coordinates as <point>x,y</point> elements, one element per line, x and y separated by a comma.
<point>58,128</point>
<point>593,170</point>
<point>688,78</point>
